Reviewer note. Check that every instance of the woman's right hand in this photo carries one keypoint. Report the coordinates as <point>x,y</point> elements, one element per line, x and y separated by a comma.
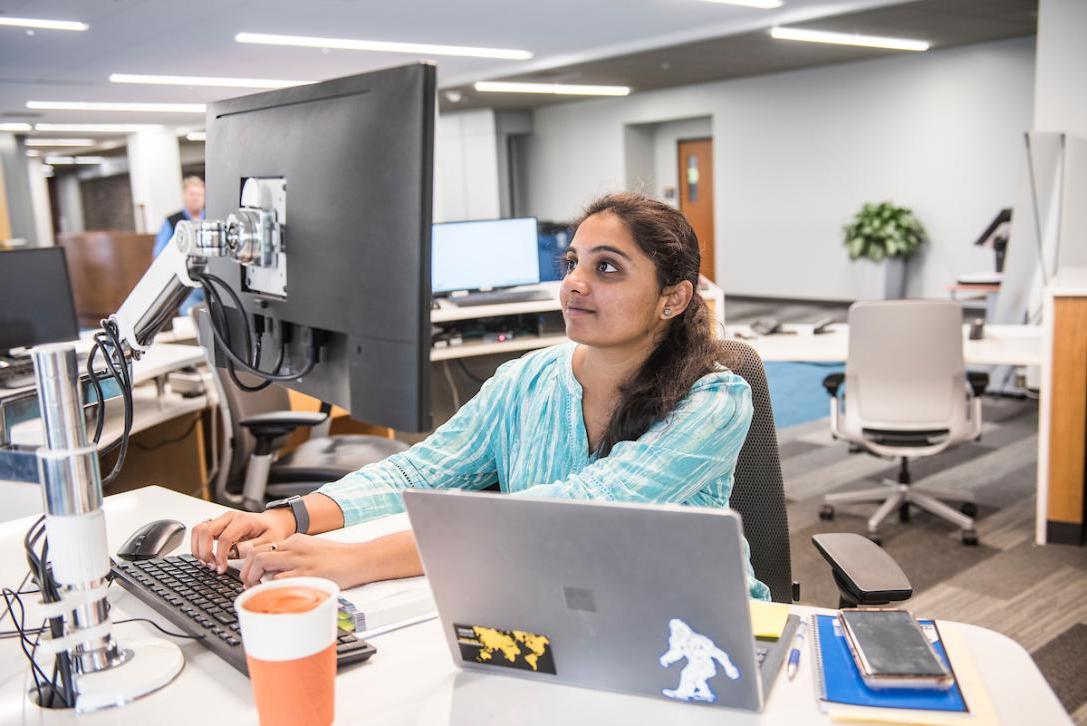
<point>213,539</point>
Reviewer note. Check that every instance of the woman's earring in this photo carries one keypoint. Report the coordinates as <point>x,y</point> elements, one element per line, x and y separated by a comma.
<point>668,312</point>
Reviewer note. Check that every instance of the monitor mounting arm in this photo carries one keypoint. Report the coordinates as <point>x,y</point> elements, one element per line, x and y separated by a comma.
<point>252,235</point>
<point>75,524</point>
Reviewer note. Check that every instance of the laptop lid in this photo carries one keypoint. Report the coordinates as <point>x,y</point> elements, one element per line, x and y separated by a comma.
<point>646,599</point>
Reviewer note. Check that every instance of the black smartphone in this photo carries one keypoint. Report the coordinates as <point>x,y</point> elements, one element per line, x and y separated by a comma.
<point>892,651</point>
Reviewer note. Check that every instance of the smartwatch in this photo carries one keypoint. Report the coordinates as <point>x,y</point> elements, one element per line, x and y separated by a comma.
<point>298,507</point>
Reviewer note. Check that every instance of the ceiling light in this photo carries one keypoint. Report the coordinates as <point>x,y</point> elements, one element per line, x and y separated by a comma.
<point>43,24</point>
<point>140,107</point>
<point>60,142</point>
<point>561,89</point>
<point>97,128</point>
<point>197,136</point>
<point>16,127</point>
<point>454,96</point>
<point>867,41</point>
<point>381,46</point>
<point>202,81</point>
<point>760,4</point>
<point>75,160</point>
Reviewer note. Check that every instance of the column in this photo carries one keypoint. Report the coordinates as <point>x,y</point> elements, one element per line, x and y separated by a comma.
<point>16,188</point>
<point>69,202</point>
<point>39,202</point>
<point>154,167</point>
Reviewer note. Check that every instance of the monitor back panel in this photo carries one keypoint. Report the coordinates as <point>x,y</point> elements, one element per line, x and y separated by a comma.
<point>357,156</point>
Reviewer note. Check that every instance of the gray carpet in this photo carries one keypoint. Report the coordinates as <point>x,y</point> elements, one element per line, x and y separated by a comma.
<point>1035,595</point>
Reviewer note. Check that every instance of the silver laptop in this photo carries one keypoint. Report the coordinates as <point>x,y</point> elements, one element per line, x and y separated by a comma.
<point>644,599</point>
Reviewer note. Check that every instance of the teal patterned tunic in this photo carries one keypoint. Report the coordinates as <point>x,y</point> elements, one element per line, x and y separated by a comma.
<point>525,431</point>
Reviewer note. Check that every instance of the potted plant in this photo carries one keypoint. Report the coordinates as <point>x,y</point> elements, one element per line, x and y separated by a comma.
<point>883,236</point>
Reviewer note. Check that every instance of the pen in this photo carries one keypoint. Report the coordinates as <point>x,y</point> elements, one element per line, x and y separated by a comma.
<point>794,654</point>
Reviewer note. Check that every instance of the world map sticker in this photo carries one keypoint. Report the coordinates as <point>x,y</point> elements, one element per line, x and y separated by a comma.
<point>507,648</point>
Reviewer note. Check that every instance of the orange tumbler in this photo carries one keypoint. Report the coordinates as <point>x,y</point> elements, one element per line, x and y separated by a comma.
<point>288,630</point>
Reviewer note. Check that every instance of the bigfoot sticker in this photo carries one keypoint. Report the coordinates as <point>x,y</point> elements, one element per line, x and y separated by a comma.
<point>702,659</point>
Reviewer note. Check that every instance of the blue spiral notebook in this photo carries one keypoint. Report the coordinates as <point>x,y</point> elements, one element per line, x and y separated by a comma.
<point>841,682</point>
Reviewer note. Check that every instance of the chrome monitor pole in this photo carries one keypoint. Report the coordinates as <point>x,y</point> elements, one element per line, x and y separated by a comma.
<point>105,673</point>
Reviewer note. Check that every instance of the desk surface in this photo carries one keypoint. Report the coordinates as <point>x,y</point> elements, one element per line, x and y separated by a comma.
<point>412,679</point>
<point>1001,344</point>
<point>151,408</point>
<point>159,360</point>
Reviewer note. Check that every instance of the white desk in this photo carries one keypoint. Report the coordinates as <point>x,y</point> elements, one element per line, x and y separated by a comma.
<point>1019,345</point>
<point>152,405</point>
<point>412,679</point>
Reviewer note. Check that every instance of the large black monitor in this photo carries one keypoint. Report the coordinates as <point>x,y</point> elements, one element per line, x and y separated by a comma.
<point>356,158</point>
<point>36,304</point>
<point>484,255</point>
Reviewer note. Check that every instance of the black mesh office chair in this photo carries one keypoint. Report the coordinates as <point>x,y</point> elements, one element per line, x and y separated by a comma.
<point>864,573</point>
<point>257,425</point>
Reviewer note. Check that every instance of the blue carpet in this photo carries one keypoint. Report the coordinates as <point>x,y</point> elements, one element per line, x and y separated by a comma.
<point>796,391</point>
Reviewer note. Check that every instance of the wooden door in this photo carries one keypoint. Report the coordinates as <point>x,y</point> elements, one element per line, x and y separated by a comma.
<point>696,194</point>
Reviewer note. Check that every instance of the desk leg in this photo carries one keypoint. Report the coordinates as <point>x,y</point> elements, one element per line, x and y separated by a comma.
<point>1067,419</point>
<point>202,456</point>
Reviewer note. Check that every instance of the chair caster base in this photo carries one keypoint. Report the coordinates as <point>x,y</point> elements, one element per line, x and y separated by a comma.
<point>970,537</point>
<point>904,512</point>
<point>826,512</point>
<point>969,509</point>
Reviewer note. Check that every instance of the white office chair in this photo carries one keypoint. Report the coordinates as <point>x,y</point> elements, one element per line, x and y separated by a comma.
<point>907,394</point>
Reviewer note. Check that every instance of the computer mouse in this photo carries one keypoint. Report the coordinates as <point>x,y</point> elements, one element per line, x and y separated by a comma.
<point>152,540</point>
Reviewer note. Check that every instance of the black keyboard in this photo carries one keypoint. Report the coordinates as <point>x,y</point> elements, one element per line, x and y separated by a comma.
<point>200,601</point>
<point>501,297</point>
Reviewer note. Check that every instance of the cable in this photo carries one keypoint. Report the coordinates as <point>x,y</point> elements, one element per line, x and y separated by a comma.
<point>100,406</point>
<point>452,386</point>
<point>215,310</point>
<point>160,628</point>
<point>464,368</point>
<point>168,442</point>
<point>18,591</point>
<point>12,598</point>
<point>242,364</point>
<point>120,373</point>
<point>50,594</point>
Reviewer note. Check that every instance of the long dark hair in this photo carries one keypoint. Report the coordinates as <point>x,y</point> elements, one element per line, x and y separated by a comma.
<point>687,350</point>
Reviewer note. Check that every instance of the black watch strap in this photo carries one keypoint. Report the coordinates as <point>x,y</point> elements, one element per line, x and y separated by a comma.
<point>298,508</point>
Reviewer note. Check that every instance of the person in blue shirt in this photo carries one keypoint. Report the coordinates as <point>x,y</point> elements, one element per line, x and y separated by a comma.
<point>193,197</point>
<point>637,407</point>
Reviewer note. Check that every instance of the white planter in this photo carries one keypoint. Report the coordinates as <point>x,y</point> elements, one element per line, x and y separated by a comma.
<point>884,280</point>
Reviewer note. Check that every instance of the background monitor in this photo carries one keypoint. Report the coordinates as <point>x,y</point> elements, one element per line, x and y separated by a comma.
<point>552,241</point>
<point>357,158</point>
<point>485,255</point>
<point>36,304</point>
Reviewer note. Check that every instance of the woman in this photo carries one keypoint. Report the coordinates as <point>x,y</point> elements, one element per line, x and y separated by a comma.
<point>636,408</point>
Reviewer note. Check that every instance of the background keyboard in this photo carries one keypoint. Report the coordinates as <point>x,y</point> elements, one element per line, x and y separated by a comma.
<point>200,601</point>
<point>501,297</point>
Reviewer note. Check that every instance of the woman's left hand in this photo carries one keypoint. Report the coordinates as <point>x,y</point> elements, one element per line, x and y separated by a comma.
<point>301,555</point>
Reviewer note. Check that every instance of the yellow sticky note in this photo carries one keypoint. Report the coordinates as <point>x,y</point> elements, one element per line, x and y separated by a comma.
<point>768,618</point>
